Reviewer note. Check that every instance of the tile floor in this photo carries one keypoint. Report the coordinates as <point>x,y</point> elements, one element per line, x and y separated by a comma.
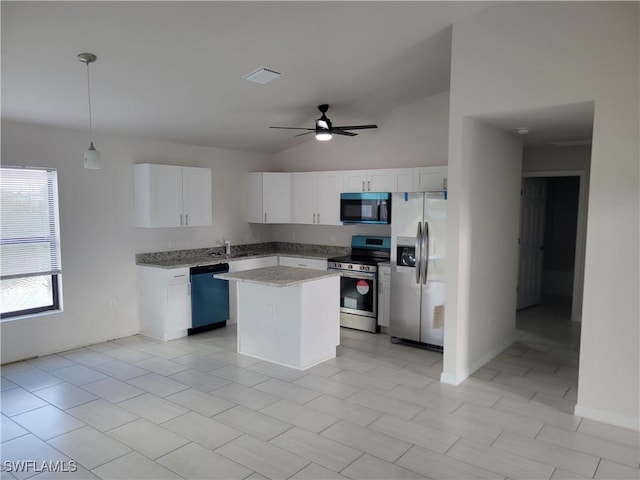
<point>193,408</point>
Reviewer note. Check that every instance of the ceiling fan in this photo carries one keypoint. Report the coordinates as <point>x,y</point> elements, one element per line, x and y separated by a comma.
<point>324,130</point>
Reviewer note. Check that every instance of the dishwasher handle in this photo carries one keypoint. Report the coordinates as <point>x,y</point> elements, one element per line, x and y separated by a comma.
<point>217,268</point>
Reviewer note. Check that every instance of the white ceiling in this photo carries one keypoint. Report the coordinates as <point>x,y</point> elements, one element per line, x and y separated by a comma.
<point>172,70</point>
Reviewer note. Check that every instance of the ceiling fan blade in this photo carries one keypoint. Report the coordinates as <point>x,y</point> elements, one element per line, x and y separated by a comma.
<point>355,127</point>
<point>305,133</point>
<point>343,132</point>
<point>294,128</point>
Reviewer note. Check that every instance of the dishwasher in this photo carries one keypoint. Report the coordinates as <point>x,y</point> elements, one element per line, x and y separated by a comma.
<point>209,298</point>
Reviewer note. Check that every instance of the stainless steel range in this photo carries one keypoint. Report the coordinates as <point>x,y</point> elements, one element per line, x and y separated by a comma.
<point>359,281</point>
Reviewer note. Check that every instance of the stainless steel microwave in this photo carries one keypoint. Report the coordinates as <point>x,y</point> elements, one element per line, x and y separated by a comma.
<point>365,207</point>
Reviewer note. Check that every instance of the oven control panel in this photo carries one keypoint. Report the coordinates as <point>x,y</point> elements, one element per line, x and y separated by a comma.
<point>352,266</point>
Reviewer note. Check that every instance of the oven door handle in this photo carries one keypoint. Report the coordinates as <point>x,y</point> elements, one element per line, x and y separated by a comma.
<point>364,276</point>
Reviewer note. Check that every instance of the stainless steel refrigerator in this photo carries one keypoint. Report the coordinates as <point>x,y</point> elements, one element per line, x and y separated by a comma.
<point>418,254</point>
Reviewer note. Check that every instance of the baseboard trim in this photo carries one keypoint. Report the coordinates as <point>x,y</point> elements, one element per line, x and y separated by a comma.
<point>623,421</point>
<point>453,379</point>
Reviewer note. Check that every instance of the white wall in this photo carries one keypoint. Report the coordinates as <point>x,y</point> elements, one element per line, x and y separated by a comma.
<point>523,56</point>
<point>99,240</point>
<point>551,158</point>
<point>484,212</point>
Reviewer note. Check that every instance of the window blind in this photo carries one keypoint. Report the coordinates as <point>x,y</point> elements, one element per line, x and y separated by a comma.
<point>29,226</point>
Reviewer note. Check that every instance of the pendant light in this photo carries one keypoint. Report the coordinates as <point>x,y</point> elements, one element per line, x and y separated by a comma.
<point>91,156</point>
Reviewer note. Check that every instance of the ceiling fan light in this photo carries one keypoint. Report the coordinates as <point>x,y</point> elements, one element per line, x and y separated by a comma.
<point>323,136</point>
<point>322,124</point>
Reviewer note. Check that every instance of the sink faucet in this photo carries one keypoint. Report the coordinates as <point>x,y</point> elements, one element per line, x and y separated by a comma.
<point>227,247</point>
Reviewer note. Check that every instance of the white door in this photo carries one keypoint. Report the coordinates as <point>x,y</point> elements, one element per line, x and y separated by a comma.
<point>196,196</point>
<point>303,197</point>
<point>329,188</point>
<point>166,196</point>
<point>532,215</point>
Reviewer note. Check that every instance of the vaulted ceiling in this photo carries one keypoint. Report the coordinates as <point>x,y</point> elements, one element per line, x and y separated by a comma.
<point>173,70</point>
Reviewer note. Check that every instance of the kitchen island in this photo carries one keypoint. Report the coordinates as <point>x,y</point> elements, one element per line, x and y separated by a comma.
<point>288,316</point>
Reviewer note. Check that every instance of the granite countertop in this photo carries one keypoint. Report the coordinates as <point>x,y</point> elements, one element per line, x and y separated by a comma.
<point>278,276</point>
<point>215,255</point>
<point>197,261</point>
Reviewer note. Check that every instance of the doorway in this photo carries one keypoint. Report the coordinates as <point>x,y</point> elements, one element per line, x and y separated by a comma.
<point>552,240</point>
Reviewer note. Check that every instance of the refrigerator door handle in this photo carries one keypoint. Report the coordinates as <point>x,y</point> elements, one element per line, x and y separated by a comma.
<point>425,252</point>
<point>418,252</point>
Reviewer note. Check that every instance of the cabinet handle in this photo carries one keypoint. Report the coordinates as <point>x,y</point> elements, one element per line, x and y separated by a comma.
<point>181,224</point>
<point>303,265</point>
<point>369,185</point>
<point>314,218</point>
<point>363,186</point>
<point>318,218</point>
<point>179,276</point>
<point>186,219</point>
<point>444,184</point>
<point>265,217</point>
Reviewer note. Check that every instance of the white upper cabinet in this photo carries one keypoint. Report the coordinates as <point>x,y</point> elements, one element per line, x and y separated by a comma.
<point>196,196</point>
<point>429,179</point>
<point>269,197</point>
<point>315,198</point>
<point>304,192</point>
<point>379,180</point>
<point>382,180</point>
<point>172,196</point>
<point>355,181</point>
<point>330,186</point>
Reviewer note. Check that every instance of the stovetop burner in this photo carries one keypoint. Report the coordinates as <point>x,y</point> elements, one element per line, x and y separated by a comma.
<point>366,253</point>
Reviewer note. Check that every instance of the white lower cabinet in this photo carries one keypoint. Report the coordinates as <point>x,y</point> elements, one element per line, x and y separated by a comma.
<point>301,262</point>
<point>239,266</point>
<point>165,302</point>
<point>384,295</point>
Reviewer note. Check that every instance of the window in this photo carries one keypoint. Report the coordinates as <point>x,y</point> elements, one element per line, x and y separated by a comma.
<point>29,241</point>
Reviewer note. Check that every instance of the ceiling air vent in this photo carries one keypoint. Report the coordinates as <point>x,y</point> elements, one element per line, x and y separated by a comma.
<point>263,75</point>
